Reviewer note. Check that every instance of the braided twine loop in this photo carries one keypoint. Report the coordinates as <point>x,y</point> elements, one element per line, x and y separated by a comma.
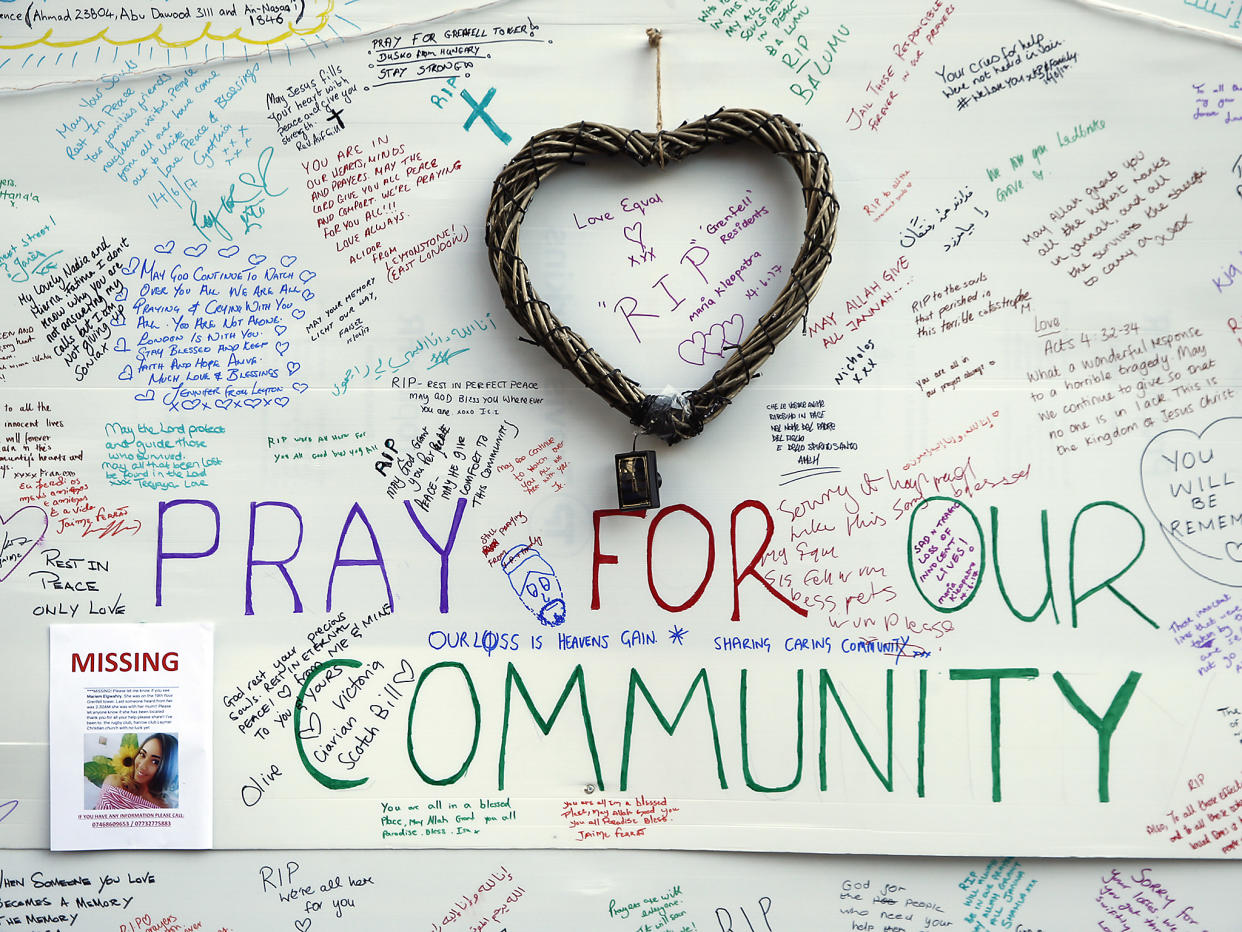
<point>546,152</point>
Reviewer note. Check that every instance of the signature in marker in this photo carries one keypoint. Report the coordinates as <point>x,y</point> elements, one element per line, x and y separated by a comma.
<point>236,205</point>
<point>442,357</point>
<point>36,262</point>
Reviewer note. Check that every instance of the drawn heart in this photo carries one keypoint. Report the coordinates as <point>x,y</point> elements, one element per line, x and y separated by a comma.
<point>131,266</point>
<point>228,252</point>
<point>252,402</point>
<point>122,294</point>
<point>694,349</point>
<point>194,251</point>
<point>733,330</point>
<point>223,404</point>
<point>634,233</point>
<point>1190,484</point>
<point>684,414</point>
<point>282,400</point>
<point>20,533</point>
<point>293,366</point>
<point>302,924</point>
<point>256,258</point>
<point>405,674</point>
<point>148,395</point>
<point>312,727</point>
<point>287,261</point>
<point>126,374</point>
<point>300,387</point>
<point>280,330</point>
<point>298,312</point>
<point>165,248</point>
<point>306,275</point>
<point>282,347</point>
<point>120,346</point>
<point>284,692</point>
<point>190,404</point>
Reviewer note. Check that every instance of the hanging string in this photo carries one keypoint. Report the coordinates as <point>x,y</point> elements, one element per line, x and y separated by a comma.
<point>653,39</point>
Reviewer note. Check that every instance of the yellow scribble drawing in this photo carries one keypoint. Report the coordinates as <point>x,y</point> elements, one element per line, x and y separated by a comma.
<point>156,35</point>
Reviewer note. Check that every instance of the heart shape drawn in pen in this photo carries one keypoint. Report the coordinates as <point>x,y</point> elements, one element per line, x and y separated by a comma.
<point>547,151</point>
<point>300,387</point>
<point>720,336</point>
<point>282,347</point>
<point>405,674</point>
<point>302,924</point>
<point>148,395</point>
<point>284,692</point>
<point>194,251</point>
<point>256,258</point>
<point>252,402</point>
<point>298,312</point>
<point>293,366</point>
<point>306,275</point>
<point>311,728</point>
<point>694,349</point>
<point>634,233</point>
<point>228,252</point>
<point>165,248</point>
<point>121,294</point>
<point>287,261</point>
<point>20,533</point>
<point>1185,480</point>
<point>120,346</point>
<point>280,330</point>
<point>125,374</point>
<point>282,400</point>
<point>131,266</point>
<point>189,404</point>
<point>223,404</point>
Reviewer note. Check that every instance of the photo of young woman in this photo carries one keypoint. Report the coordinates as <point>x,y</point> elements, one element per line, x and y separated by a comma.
<point>151,781</point>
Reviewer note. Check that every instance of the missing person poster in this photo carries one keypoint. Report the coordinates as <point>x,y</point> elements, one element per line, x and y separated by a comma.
<point>130,736</point>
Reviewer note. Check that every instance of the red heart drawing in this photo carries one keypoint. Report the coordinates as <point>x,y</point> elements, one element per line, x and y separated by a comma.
<point>20,533</point>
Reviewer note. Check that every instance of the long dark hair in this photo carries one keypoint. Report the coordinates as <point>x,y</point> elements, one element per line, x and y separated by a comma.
<point>166,776</point>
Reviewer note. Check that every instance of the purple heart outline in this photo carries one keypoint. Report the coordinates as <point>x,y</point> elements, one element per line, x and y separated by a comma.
<point>4,541</point>
<point>637,229</point>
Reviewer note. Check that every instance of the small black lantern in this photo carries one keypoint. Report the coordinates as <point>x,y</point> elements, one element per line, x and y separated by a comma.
<point>638,483</point>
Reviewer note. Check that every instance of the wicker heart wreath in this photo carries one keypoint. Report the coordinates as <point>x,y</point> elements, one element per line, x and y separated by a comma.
<point>681,416</point>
